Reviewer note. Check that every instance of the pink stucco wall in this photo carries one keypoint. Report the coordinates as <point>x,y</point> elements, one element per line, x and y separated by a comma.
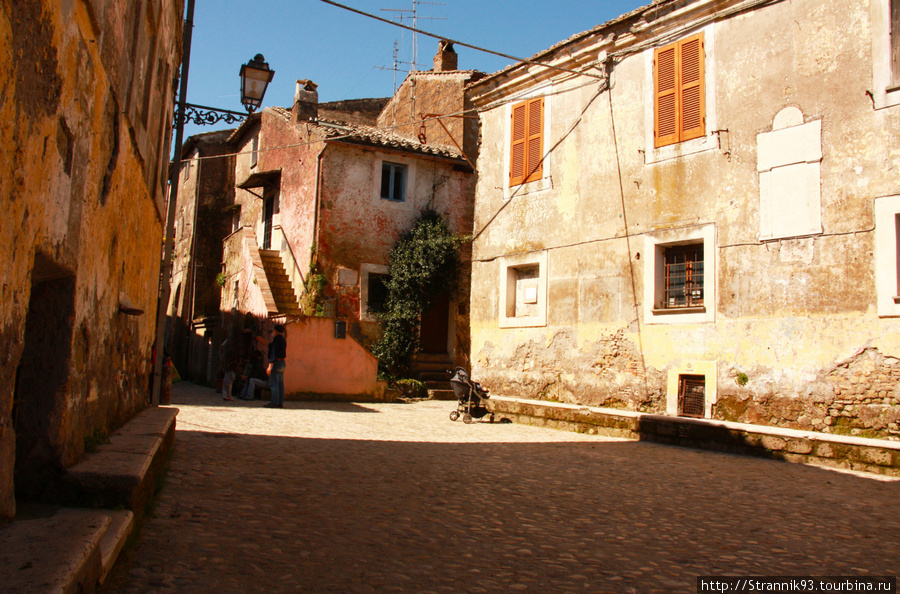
<point>319,363</point>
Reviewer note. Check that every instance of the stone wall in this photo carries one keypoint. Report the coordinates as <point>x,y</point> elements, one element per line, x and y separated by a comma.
<point>858,396</point>
<point>85,125</point>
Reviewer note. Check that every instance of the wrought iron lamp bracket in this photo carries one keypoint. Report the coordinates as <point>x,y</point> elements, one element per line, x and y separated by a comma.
<point>208,116</point>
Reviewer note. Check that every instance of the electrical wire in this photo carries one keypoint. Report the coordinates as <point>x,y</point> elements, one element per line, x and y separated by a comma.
<point>455,42</point>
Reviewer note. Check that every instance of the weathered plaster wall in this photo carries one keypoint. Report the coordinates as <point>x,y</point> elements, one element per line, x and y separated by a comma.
<point>84,122</point>
<point>334,367</point>
<point>358,227</point>
<point>797,316</point>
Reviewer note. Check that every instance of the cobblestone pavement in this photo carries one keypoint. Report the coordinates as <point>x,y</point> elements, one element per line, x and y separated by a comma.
<point>397,498</point>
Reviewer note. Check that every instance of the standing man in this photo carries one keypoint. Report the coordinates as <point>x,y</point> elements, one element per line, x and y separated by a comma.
<point>277,353</point>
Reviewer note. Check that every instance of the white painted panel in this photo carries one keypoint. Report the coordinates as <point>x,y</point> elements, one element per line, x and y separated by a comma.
<point>799,144</point>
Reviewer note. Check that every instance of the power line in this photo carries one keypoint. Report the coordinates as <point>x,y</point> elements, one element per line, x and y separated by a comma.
<point>461,43</point>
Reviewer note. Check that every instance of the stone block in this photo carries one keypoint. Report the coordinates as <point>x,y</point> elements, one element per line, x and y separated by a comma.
<point>875,456</point>
<point>799,446</point>
<point>824,450</point>
<point>770,442</point>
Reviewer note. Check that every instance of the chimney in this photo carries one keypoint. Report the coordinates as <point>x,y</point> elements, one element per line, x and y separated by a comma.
<point>306,102</point>
<point>445,60</point>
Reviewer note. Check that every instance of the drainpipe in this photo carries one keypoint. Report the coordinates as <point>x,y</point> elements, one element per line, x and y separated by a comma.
<point>193,300</point>
<point>165,271</point>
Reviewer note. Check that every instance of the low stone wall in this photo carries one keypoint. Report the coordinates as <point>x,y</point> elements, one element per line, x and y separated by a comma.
<point>804,447</point>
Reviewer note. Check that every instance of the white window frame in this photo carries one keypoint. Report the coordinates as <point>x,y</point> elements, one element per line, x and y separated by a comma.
<point>887,259</point>
<point>364,271</point>
<point>883,93</point>
<point>688,147</point>
<point>407,204</point>
<point>392,167</point>
<point>546,182</point>
<point>654,275</point>
<point>507,284</point>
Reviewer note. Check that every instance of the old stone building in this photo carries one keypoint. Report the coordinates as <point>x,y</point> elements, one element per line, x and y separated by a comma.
<point>205,215</point>
<point>322,198</point>
<point>85,123</point>
<point>693,211</point>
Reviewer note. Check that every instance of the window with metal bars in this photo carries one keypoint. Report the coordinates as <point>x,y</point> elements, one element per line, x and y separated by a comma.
<point>683,276</point>
<point>691,396</point>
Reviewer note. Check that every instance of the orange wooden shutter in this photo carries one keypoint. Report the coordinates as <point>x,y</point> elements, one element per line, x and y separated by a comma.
<point>680,93</point>
<point>517,145</point>
<point>535,152</point>
<point>693,100</point>
<point>666,96</point>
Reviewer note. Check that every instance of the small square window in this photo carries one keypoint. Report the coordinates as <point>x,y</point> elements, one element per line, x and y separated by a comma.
<point>393,181</point>
<point>378,293</point>
<point>523,291</point>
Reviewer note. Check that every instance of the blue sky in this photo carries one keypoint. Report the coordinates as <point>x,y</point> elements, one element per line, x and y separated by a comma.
<point>344,53</point>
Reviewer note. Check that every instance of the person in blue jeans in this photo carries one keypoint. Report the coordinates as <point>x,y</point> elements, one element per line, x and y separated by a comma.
<point>277,354</point>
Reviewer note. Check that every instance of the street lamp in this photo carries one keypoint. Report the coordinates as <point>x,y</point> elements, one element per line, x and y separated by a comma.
<point>255,77</point>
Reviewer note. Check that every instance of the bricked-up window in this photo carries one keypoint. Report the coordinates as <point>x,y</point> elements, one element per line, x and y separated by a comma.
<point>393,181</point>
<point>679,83</point>
<point>683,276</point>
<point>526,142</point>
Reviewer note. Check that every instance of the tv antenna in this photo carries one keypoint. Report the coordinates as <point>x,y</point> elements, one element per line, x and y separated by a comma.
<point>412,14</point>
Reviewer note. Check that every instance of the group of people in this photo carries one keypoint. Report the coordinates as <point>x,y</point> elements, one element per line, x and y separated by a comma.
<point>254,375</point>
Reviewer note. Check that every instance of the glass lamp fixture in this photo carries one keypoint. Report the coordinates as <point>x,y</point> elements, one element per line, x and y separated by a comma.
<point>255,77</point>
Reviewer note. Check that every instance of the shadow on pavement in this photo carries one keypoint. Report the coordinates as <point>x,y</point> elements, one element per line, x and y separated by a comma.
<point>269,513</point>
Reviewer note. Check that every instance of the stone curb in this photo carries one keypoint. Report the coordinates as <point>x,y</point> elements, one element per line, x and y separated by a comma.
<point>803,447</point>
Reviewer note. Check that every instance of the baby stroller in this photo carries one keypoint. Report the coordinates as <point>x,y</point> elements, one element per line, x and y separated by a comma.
<point>470,397</point>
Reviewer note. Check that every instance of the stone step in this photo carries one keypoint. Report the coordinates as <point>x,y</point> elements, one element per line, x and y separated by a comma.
<point>121,526</point>
<point>441,394</point>
<point>60,553</point>
<point>122,473</point>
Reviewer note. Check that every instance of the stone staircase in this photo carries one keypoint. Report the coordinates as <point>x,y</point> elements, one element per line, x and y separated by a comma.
<point>433,370</point>
<point>71,545</point>
<point>279,283</point>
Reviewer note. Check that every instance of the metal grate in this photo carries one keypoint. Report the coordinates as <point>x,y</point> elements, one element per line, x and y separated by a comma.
<point>691,395</point>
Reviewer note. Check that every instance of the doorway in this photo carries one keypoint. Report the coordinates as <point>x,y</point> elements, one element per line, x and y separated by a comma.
<point>434,330</point>
<point>268,217</point>
<point>39,397</point>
